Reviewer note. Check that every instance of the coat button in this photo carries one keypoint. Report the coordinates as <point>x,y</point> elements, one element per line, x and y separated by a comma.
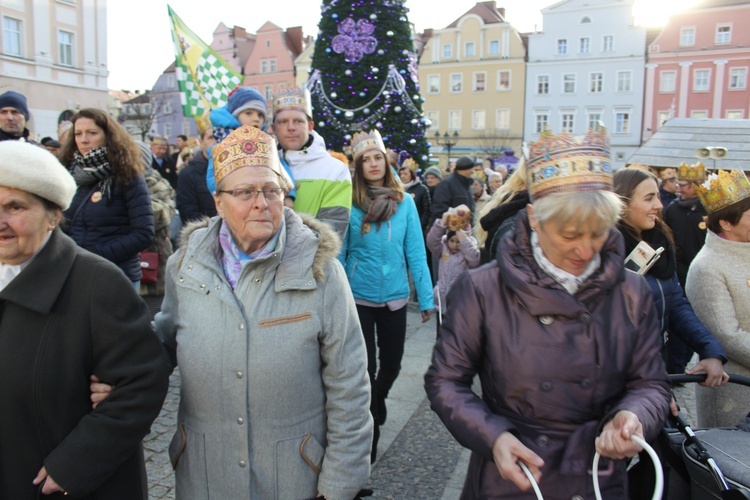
<point>218,287</point>
<point>182,279</point>
<point>241,327</point>
<point>239,374</point>
<point>258,280</point>
<point>576,497</point>
<point>542,441</point>
<point>190,268</point>
<point>585,318</point>
<point>546,386</point>
<point>240,420</point>
<point>587,383</point>
<point>545,320</point>
<point>203,286</point>
<point>243,464</point>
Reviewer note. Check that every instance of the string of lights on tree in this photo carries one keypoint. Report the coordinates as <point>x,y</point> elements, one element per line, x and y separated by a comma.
<point>364,76</point>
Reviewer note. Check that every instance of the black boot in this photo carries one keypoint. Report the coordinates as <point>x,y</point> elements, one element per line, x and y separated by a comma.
<point>375,438</point>
<point>382,412</point>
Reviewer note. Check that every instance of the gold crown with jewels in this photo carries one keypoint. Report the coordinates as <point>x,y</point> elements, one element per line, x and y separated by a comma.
<point>564,163</point>
<point>292,98</point>
<point>723,189</point>
<point>365,141</point>
<point>692,173</point>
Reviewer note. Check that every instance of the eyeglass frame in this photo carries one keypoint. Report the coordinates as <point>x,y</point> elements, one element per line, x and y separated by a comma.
<point>253,193</point>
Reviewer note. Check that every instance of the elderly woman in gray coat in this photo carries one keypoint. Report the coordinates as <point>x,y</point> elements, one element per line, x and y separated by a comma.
<point>275,396</point>
<point>564,339</point>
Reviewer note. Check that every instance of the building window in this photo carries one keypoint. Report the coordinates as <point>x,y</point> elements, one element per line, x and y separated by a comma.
<point>433,84</point>
<point>595,120</point>
<point>542,122</point>
<point>478,119</point>
<point>569,83</point>
<point>667,81</point>
<point>454,119</point>
<point>494,48</point>
<point>624,81</point>
<point>268,92</point>
<point>170,82</point>
<point>263,66</point>
<point>502,119</point>
<point>723,34</point>
<point>469,49</point>
<point>735,114</point>
<point>167,130</point>
<point>447,51</point>
<point>622,122</point>
<point>701,80</point>
<point>608,43</point>
<point>12,36</point>
<point>584,45</point>
<point>480,81</point>
<point>268,43</point>
<point>567,122</point>
<point>738,79</point>
<point>687,37</point>
<point>585,20</point>
<point>699,114</point>
<point>542,84</point>
<point>434,117</point>
<point>167,108</point>
<point>503,80</point>
<point>562,46</point>
<point>457,83</point>
<point>65,48</point>
<point>596,84</point>
<point>272,66</point>
<point>662,117</point>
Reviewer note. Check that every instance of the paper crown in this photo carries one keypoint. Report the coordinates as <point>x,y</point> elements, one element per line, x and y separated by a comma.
<point>563,163</point>
<point>410,164</point>
<point>248,146</point>
<point>720,191</point>
<point>365,141</point>
<point>292,98</point>
<point>692,173</point>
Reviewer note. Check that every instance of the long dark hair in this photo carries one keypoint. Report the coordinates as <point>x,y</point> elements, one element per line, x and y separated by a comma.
<point>359,185</point>
<point>123,153</point>
<point>626,181</point>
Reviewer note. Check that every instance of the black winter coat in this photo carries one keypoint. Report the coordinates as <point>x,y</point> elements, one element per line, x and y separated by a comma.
<point>687,220</point>
<point>118,228</point>
<point>194,201</point>
<point>69,315</point>
<point>168,169</point>
<point>453,191</point>
<point>421,196</point>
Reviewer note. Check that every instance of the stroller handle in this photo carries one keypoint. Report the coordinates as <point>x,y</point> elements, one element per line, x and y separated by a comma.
<point>700,377</point>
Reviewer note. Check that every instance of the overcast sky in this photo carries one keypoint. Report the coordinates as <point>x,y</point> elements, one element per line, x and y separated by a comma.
<point>139,32</point>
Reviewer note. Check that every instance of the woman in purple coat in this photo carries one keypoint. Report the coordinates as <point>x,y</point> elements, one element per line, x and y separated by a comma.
<point>564,340</point>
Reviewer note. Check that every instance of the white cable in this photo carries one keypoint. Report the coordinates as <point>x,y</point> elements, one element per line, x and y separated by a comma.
<point>658,488</point>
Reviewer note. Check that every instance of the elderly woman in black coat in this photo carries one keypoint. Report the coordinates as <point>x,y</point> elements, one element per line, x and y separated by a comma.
<point>67,315</point>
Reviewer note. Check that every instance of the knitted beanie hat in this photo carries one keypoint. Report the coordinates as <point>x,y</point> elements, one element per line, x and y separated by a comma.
<point>12,99</point>
<point>242,98</point>
<point>464,163</point>
<point>35,170</point>
<point>434,171</point>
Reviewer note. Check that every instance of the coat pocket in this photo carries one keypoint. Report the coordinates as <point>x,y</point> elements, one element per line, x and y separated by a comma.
<point>296,318</point>
<point>187,453</point>
<point>298,463</point>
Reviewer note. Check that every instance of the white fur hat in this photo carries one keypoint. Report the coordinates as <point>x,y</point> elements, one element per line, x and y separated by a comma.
<point>35,170</point>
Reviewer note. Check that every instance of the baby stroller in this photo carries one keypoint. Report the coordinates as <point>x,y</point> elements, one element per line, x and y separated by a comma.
<point>707,463</point>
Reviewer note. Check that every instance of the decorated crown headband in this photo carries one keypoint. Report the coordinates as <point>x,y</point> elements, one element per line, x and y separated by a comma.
<point>723,189</point>
<point>248,146</point>
<point>365,141</point>
<point>563,163</point>
<point>692,173</point>
<point>292,98</point>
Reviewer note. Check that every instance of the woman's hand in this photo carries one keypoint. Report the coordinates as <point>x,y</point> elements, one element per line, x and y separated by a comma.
<point>50,486</point>
<point>99,390</point>
<point>426,315</point>
<point>614,442</point>
<point>507,451</point>
<point>713,368</point>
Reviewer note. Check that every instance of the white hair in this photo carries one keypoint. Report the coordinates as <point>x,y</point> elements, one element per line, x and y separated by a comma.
<point>578,207</point>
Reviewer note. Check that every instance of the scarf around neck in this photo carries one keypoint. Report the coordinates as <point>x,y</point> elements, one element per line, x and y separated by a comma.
<point>233,259</point>
<point>380,204</point>
<point>92,168</point>
<point>568,281</point>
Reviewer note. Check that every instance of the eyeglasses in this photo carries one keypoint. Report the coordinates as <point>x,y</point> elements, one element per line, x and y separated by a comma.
<point>247,194</point>
<point>683,185</point>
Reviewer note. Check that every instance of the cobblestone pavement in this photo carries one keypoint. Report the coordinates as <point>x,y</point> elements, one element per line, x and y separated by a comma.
<point>418,458</point>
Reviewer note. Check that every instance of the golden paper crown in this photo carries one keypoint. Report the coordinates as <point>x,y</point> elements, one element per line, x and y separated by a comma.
<point>720,191</point>
<point>563,163</point>
<point>365,141</point>
<point>410,164</point>
<point>692,173</point>
<point>292,98</point>
<point>248,146</point>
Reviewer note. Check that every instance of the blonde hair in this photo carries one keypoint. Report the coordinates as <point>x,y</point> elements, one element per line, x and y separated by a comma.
<point>515,184</point>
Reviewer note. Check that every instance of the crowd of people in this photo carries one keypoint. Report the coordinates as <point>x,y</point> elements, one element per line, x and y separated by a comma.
<point>284,304</point>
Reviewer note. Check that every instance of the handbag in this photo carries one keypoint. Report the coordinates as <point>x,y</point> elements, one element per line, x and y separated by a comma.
<point>149,266</point>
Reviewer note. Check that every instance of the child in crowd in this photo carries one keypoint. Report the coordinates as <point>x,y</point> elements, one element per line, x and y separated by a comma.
<point>245,106</point>
<point>457,252</point>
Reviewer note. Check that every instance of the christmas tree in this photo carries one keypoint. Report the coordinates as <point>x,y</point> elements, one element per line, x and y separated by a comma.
<point>364,76</point>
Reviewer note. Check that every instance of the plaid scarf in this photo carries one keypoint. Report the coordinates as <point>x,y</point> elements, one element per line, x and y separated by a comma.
<point>92,168</point>
<point>380,205</point>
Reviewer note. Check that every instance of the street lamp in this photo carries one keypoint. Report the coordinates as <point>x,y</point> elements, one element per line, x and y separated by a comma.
<point>447,141</point>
